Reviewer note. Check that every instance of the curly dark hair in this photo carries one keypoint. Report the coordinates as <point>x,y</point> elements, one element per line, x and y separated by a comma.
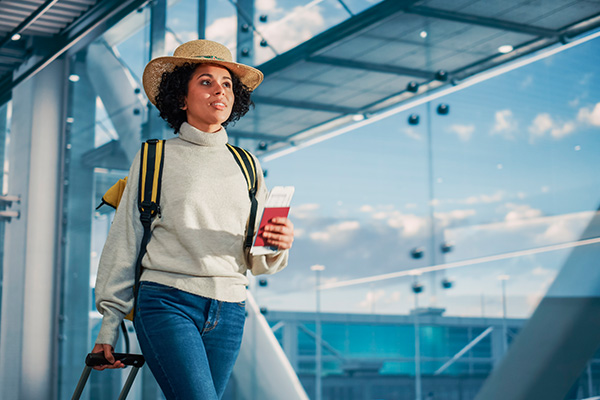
<point>174,88</point>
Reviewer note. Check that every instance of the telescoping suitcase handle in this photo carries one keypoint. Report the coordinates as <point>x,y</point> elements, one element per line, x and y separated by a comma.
<point>97,359</point>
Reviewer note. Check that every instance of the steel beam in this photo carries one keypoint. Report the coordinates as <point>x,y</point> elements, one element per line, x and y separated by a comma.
<point>305,105</point>
<point>482,21</point>
<point>373,67</point>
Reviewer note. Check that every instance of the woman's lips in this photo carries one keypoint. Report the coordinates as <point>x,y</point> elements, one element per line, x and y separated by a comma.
<point>218,105</point>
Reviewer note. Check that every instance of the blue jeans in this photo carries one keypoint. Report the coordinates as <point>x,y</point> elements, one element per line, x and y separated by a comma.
<point>190,342</point>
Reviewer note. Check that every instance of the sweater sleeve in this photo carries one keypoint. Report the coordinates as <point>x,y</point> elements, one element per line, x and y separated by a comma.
<point>116,271</point>
<point>270,263</point>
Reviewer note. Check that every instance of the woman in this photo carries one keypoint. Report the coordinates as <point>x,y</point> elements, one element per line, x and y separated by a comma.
<point>190,308</point>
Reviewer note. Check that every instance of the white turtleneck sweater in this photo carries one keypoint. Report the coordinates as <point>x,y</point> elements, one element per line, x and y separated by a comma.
<point>197,243</point>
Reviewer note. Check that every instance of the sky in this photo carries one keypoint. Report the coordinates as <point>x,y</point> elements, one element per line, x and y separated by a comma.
<point>512,167</point>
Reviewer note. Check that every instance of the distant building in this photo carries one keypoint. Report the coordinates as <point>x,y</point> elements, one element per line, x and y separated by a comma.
<point>367,356</point>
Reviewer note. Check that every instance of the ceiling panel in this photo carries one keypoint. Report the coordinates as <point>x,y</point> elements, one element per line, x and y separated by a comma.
<point>408,40</point>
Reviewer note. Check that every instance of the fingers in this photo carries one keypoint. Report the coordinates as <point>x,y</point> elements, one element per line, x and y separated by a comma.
<point>108,350</point>
<point>280,233</point>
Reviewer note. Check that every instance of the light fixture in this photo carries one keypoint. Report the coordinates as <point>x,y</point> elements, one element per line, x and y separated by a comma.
<point>446,247</point>
<point>70,120</point>
<point>577,148</point>
<point>358,117</point>
<point>417,287</point>
<point>447,283</point>
<point>262,146</point>
<point>317,268</point>
<point>417,253</point>
<point>263,43</point>
<point>245,52</point>
<point>413,119</point>
<point>423,34</point>
<point>507,48</point>
<point>245,27</point>
<point>412,87</point>
<point>74,78</point>
<point>441,75</point>
<point>136,111</point>
<point>443,109</point>
<point>15,37</point>
<point>262,282</point>
<point>263,18</point>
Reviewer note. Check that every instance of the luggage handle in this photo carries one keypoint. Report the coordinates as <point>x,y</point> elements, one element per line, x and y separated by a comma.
<point>98,359</point>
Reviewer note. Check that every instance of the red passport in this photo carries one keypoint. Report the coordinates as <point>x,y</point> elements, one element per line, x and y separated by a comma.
<point>268,214</point>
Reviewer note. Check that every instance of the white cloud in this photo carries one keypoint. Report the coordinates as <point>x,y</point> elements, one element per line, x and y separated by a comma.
<point>335,233</point>
<point>304,211</point>
<point>367,208</point>
<point>410,225</point>
<point>589,116</point>
<point>464,132</point>
<point>223,30</point>
<point>265,5</point>
<point>297,26</point>
<point>504,124</point>
<point>544,123</point>
<point>447,219</point>
<point>299,233</point>
<point>371,298</point>
<point>412,133</point>
<point>483,198</point>
<point>526,82</point>
<point>520,212</point>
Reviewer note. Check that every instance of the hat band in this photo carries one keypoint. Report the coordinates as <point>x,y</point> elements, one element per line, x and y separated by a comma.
<point>210,58</point>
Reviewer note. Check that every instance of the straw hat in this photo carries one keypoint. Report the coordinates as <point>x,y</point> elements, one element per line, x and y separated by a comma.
<point>197,51</point>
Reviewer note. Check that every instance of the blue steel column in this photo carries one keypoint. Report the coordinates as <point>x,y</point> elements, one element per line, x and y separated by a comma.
<point>201,19</point>
<point>245,32</point>
<point>74,337</point>
<point>155,126</point>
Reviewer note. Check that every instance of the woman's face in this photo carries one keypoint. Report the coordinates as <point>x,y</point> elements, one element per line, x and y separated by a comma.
<point>210,97</point>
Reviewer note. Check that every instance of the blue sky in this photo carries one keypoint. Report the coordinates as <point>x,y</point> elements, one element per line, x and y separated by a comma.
<point>514,167</point>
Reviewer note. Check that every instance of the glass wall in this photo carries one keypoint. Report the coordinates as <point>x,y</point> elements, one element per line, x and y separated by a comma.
<point>479,203</point>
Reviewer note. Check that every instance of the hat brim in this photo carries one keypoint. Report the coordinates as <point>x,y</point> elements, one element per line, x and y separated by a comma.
<point>249,76</point>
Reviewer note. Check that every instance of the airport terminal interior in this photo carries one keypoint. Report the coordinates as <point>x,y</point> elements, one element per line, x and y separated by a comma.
<point>445,157</point>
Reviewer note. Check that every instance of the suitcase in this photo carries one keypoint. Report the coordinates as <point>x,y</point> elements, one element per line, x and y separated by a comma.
<point>96,359</point>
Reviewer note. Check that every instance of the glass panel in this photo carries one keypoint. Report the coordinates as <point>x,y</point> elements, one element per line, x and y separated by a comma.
<point>290,23</point>
<point>508,175</point>
<point>525,178</point>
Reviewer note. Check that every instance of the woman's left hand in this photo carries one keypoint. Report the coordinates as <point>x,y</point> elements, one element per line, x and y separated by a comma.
<point>279,232</point>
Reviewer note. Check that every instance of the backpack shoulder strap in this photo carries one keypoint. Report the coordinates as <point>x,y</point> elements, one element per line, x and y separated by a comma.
<point>151,167</point>
<point>246,163</point>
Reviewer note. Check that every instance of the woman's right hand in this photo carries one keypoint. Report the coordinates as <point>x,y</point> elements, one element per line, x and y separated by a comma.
<point>107,349</point>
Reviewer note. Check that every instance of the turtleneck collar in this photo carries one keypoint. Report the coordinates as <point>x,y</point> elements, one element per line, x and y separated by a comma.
<point>190,134</point>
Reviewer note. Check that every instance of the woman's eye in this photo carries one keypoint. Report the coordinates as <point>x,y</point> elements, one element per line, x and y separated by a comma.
<point>227,85</point>
<point>205,82</point>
